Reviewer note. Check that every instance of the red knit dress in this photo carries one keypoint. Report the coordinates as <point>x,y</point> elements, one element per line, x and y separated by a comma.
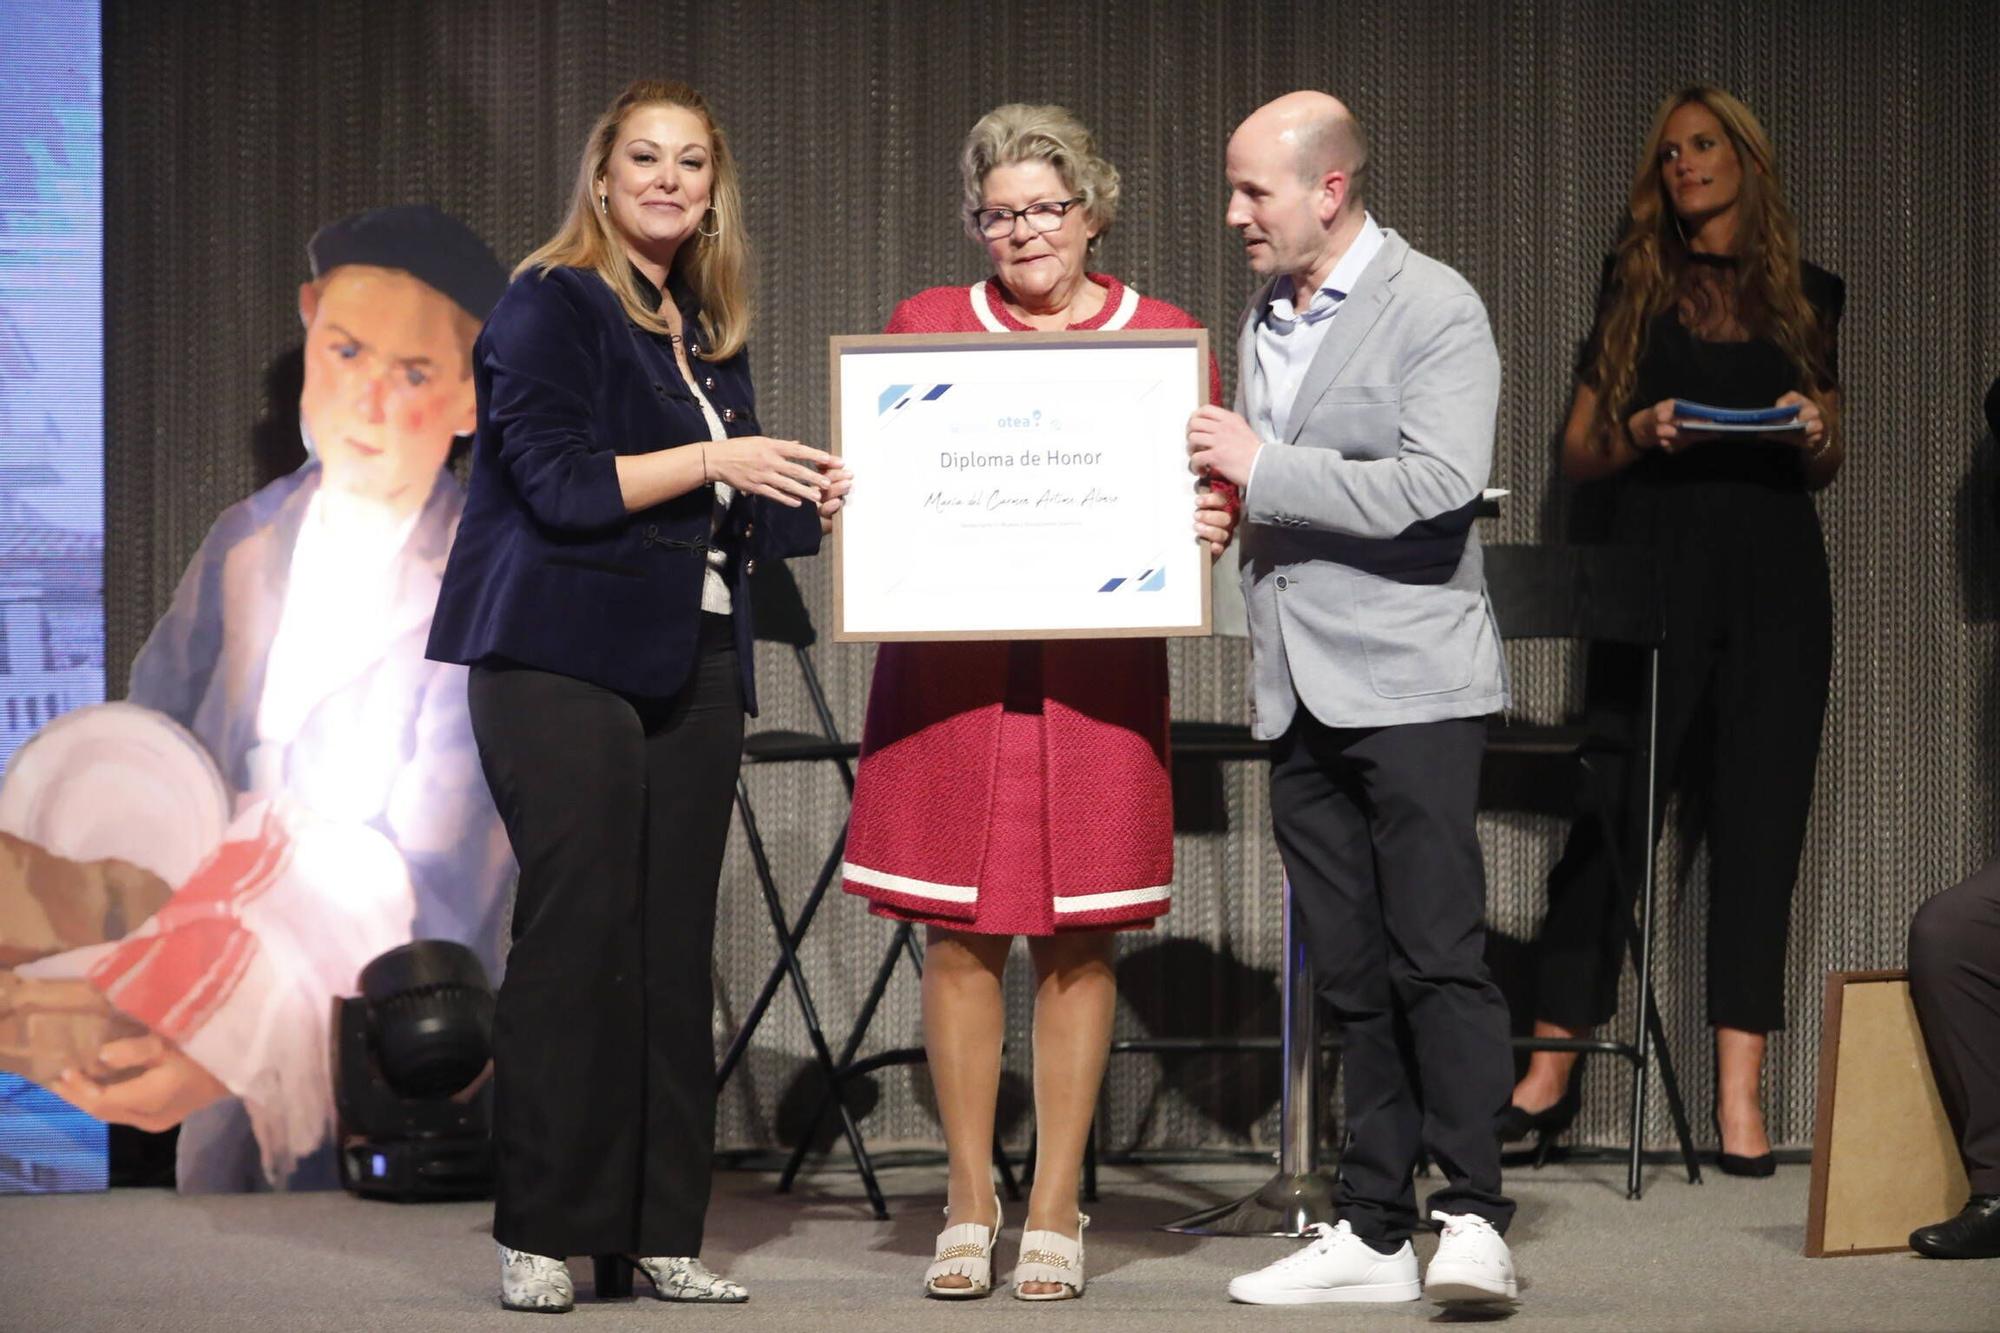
<point>1017,788</point>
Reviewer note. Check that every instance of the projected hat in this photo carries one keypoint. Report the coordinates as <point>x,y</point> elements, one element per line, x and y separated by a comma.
<point>434,248</point>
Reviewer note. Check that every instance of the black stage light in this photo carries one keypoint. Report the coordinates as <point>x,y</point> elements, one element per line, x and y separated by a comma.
<point>409,1076</point>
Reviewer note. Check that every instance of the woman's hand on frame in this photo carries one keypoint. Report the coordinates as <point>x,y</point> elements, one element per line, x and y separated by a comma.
<point>783,470</point>
<point>838,481</point>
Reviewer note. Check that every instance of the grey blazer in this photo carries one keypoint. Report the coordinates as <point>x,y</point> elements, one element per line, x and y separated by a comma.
<point>1361,572</point>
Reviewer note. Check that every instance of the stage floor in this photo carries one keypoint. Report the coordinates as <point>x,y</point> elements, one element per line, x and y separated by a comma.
<point>1724,1255</point>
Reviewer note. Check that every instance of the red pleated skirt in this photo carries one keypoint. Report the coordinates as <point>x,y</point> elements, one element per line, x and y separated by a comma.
<point>1016,890</point>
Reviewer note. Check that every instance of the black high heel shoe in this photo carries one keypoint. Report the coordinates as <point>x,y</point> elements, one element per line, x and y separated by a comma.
<point>1735,1164</point>
<point>1515,1123</point>
<point>1732,1164</point>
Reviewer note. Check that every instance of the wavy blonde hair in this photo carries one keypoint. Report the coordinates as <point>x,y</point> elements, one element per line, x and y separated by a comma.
<point>1020,132</point>
<point>717,268</point>
<point>1651,273</point>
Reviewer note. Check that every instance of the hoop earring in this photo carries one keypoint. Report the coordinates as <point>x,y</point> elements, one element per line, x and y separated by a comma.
<point>717,233</point>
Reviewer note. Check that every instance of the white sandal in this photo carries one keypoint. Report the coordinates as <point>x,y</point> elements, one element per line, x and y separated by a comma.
<point>1050,1256</point>
<point>966,1251</point>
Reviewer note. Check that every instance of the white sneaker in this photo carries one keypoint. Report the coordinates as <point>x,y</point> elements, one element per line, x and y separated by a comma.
<point>1472,1264</point>
<point>1337,1266</point>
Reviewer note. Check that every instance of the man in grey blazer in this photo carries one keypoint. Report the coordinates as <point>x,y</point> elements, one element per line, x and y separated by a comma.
<point>1362,436</point>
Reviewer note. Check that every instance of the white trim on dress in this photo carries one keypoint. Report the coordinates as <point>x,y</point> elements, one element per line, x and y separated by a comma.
<point>908,886</point>
<point>1128,305</point>
<point>987,318</point>
<point>1101,902</point>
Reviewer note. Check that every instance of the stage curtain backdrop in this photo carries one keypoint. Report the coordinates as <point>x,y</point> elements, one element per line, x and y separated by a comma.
<point>1504,139</point>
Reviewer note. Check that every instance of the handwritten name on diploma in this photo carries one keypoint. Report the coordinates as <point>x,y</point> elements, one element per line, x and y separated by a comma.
<point>997,500</point>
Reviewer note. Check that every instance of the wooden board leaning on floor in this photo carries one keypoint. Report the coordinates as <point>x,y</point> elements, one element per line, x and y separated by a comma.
<point>1884,1158</point>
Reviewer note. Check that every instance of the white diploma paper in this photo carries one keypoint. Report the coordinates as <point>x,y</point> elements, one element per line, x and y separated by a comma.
<point>1019,485</point>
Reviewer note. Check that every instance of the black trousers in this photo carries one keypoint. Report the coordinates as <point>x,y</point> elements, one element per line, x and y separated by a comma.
<point>604,1061</point>
<point>1743,687</point>
<point>1955,982</point>
<point>1375,826</point>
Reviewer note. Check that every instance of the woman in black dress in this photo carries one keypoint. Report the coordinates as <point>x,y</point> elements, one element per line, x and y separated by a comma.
<point>1707,301</point>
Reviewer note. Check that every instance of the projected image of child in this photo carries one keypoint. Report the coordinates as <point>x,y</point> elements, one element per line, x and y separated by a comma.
<point>294,651</point>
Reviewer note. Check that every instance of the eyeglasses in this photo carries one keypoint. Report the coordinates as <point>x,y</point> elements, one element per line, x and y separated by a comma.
<point>994,223</point>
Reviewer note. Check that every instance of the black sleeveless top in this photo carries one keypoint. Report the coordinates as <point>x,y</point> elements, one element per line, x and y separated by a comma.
<point>1745,373</point>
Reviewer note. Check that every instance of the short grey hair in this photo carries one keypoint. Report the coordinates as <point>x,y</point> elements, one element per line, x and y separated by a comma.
<point>1019,132</point>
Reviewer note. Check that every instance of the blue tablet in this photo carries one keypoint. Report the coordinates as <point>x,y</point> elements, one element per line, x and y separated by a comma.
<point>1774,417</point>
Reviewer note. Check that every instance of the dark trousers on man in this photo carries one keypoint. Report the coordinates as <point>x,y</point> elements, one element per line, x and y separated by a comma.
<point>604,1058</point>
<point>1376,829</point>
<point>1955,983</point>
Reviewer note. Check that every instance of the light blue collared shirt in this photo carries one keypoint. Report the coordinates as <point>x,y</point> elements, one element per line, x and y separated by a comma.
<point>1288,339</point>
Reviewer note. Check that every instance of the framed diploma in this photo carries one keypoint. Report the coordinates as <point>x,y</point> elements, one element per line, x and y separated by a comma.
<point>1018,485</point>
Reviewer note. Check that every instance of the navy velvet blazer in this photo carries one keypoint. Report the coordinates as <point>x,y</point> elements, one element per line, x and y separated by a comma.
<point>549,571</point>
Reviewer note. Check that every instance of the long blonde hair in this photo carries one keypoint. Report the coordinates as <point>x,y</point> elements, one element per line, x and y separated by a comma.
<point>716,267</point>
<point>1651,272</point>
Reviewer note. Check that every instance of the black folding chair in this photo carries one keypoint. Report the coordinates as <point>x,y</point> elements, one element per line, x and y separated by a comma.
<point>781,617</point>
<point>1601,595</point>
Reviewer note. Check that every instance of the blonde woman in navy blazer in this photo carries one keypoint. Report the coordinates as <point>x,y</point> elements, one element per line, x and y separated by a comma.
<point>599,589</point>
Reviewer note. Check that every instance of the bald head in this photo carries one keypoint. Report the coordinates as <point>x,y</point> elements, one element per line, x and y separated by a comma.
<point>1296,169</point>
<point>1321,133</point>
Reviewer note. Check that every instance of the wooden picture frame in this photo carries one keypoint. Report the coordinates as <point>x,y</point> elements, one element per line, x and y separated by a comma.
<point>1885,1160</point>
<point>890,584</point>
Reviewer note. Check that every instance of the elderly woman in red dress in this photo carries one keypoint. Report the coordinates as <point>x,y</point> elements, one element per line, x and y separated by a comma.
<point>1022,788</point>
